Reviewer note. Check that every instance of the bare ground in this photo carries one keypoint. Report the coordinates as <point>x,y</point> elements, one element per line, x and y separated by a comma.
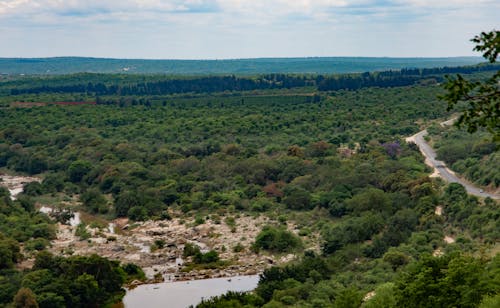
<point>133,243</point>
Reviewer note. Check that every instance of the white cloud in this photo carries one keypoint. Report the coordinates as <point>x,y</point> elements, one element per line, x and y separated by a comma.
<point>445,3</point>
<point>243,28</point>
<point>250,8</point>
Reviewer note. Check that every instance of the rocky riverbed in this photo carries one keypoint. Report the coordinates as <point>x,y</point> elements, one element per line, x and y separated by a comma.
<point>134,242</point>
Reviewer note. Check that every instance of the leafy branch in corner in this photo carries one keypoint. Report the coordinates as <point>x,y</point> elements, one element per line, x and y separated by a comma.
<point>482,98</point>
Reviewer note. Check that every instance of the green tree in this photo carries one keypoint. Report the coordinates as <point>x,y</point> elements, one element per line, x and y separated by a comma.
<point>95,201</point>
<point>25,299</point>
<point>78,169</point>
<point>482,98</point>
<point>448,281</point>
<point>277,239</point>
<point>395,258</point>
<point>9,252</point>
<point>383,297</point>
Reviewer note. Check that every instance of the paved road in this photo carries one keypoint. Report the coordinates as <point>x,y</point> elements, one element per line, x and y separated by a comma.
<point>444,172</point>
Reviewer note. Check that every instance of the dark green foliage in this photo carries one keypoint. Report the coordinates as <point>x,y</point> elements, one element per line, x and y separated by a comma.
<point>70,282</point>
<point>297,198</point>
<point>134,272</point>
<point>395,258</point>
<point>159,243</point>
<point>27,203</point>
<point>137,213</point>
<point>53,183</point>
<point>198,257</point>
<point>277,240</point>
<point>37,244</point>
<point>371,199</point>
<point>9,252</point>
<point>198,152</point>
<point>448,281</point>
<point>190,250</point>
<point>232,300</point>
<point>467,213</point>
<point>205,258</point>
<point>54,281</point>
<point>125,201</point>
<point>18,223</point>
<point>94,201</point>
<point>352,230</point>
<point>82,281</point>
<point>33,189</point>
<point>274,278</point>
<point>78,169</point>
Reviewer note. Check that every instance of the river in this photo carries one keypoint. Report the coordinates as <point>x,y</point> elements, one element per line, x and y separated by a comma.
<point>182,294</point>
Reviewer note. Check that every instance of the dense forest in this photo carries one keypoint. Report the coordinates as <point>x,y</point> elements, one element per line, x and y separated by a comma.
<point>99,85</point>
<point>330,160</point>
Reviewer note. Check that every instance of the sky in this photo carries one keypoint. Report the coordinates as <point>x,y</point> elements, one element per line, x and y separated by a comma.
<point>230,29</point>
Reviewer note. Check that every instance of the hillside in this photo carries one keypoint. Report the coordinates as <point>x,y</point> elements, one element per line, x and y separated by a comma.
<point>311,186</point>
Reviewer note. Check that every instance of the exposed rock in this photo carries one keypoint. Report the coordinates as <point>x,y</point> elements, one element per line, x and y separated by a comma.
<point>134,246</point>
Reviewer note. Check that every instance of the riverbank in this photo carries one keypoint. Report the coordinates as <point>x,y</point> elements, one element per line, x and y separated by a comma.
<point>157,246</point>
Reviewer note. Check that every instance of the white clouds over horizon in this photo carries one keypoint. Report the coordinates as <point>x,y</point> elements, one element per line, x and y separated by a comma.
<point>243,28</point>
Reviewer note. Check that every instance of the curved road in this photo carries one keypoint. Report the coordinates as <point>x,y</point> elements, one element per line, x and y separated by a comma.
<point>440,167</point>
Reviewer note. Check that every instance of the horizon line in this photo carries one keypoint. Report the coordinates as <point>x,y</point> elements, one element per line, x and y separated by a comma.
<point>235,59</point>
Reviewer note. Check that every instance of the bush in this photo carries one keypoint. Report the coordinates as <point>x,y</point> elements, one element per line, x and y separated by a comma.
<point>277,240</point>
<point>238,248</point>
<point>78,169</point>
<point>94,200</point>
<point>81,232</point>
<point>37,244</point>
<point>33,189</point>
<point>137,213</point>
<point>204,258</point>
<point>190,250</point>
<point>297,198</point>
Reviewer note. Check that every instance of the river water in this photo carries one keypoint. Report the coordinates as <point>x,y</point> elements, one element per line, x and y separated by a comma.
<point>182,294</point>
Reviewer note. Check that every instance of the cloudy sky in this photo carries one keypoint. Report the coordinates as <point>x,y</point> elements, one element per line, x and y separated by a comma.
<point>217,29</point>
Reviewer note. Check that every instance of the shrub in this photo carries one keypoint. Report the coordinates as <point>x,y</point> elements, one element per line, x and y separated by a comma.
<point>238,248</point>
<point>277,240</point>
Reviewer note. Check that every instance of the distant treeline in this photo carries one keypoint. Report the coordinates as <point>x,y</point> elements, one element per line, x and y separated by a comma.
<point>213,84</point>
<point>404,77</point>
<point>210,84</point>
